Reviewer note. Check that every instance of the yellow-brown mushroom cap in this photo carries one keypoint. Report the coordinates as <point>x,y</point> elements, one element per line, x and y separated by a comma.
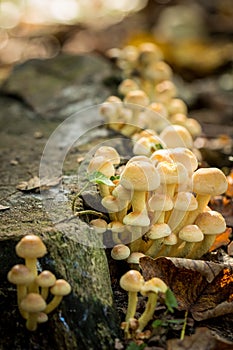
<point>132,281</point>
<point>20,275</point>
<point>30,246</point>
<point>45,279</point>
<point>61,288</point>
<point>211,222</point>
<point>154,285</point>
<point>210,181</point>
<point>140,176</point>
<point>33,302</point>
<point>191,233</point>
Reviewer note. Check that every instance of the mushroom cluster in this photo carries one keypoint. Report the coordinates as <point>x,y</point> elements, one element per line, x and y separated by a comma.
<point>132,282</point>
<point>148,95</point>
<point>32,288</point>
<point>158,204</point>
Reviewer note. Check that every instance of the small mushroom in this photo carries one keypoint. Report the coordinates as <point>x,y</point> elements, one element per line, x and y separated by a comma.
<point>176,105</point>
<point>99,225</point>
<point>134,259</point>
<point>168,243</point>
<point>159,204</point>
<point>189,236</point>
<point>132,281</point>
<point>151,289</point>
<point>171,176</point>
<point>126,86</point>
<point>120,252</point>
<point>33,304</point>
<point>108,153</point>
<point>184,202</point>
<point>156,234</point>
<point>45,280</point>
<point>30,248</point>
<point>211,223</point>
<point>164,91</point>
<point>22,277</point>
<point>59,289</point>
<point>207,182</point>
<point>139,177</point>
<point>176,136</point>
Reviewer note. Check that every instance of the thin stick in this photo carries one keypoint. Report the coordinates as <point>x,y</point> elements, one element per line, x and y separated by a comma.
<point>184,325</point>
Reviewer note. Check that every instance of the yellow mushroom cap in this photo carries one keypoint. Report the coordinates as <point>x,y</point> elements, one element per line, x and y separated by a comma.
<point>191,233</point>
<point>134,257</point>
<point>140,176</point>
<point>120,252</point>
<point>101,164</point>
<point>33,302</point>
<point>132,281</point>
<point>30,246</point>
<point>210,181</point>
<point>185,201</point>
<point>211,222</point>
<point>126,86</point>
<point>154,285</point>
<point>171,173</point>
<point>108,153</point>
<point>61,287</point>
<point>138,97</point>
<point>176,136</point>
<point>99,225</point>
<point>45,279</point>
<point>158,231</point>
<point>160,202</point>
<point>20,275</point>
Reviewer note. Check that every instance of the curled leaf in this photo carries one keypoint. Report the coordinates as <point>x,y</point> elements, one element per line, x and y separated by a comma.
<point>204,288</point>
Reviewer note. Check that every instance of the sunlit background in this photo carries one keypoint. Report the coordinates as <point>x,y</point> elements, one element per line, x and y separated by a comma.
<point>44,28</point>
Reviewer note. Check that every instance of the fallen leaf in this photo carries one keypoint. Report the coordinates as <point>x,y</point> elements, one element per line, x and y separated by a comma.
<point>3,207</point>
<point>221,240</point>
<point>203,288</point>
<point>36,185</point>
<point>203,339</point>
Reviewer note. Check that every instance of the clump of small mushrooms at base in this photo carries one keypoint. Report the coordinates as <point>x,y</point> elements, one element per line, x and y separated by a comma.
<point>156,204</point>
<point>34,289</point>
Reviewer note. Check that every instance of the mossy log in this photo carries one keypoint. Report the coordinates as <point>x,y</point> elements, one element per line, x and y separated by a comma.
<point>85,319</point>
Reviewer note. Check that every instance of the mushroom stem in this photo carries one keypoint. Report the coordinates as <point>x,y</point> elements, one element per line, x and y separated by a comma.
<point>53,304</point>
<point>203,201</point>
<point>21,294</point>
<point>131,310</point>
<point>201,248</point>
<point>31,264</point>
<point>148,312</point>
<point>31,322</point>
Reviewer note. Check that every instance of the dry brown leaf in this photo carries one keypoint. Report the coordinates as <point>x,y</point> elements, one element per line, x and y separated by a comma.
<point>203,339</point>
<point>204,288</point>
<point>36,185</point>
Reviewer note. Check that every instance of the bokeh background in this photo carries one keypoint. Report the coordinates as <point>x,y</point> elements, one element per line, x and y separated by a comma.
<point>195,35</point>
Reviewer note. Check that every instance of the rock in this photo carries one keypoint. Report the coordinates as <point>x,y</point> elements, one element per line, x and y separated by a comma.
<point>60,86</point>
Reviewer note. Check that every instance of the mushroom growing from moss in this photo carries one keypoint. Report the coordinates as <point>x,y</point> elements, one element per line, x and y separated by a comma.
<point>22,277</point>
<point>33,304</point>
<point>59,289</point>
<point>30,248</point>
<point>151,289</point>
<point>132,281</point>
